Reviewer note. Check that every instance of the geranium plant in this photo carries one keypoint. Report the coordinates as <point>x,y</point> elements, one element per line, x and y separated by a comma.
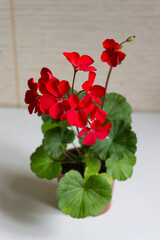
<point>100,120</point>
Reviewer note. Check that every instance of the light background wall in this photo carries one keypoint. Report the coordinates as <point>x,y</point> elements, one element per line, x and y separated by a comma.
<point>34,33</point>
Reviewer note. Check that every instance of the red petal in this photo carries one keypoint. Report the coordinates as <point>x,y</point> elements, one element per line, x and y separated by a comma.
<point>114,60</point>
<point>86,85</point>
<point>31,107</point>
<point>52,87</point>
<point>29,96</point>
<point>116,46</point>
<point>90,109</point>
<point>108,43</point>
<point>90,139</point>
<point>71,117</point>
<point>46,101</point>
<point>66,105</point>
<point>122,55</point>
<point>101,115</point>
<point>94,112</point>
<point>63,87</point>
<point>101,134</point>
<point>96,99</point>
<point>64,117</point>
<point>106,126</point>
<point>87,68</point>
<point>83,131</point>
<point>46,73</point>
<point>80,119</point>
<point>74,101</point>
<point>85,60</point>
<point>91,77</point>
<point>104,56</point>
<point>56,110</point>
<point>85,102</point>
<point>95,124</point>
<point>72,57</point>
<point>32,85</point>
<point>98,91</point>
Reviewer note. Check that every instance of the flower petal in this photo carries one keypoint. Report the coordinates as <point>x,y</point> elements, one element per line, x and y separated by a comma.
<point>85,60</point>
<point>46,75</point>
<point>46,101</point>
<point>74,101</point>
<point>108,43</point>
<point>52,87</point>
<point>122,55</point>
<point>106,126</point>
<point>29,96</point>
<point>72,57</point>
<point>32,85</point>
<point>71,117</point>
<point>98,91</point>
<point>101,115</point>
<point>91,77</point>
<point>63,87</point>
<point>83,131</point>
<point>90,139</point>
<point>96,99</point>
<point>102,134</point>
<point>66,105</point>
<point>87,68</point>
<point>86,85</point>
<point>80,119</point>
<point>56,110</point>
<point>85,102</point>
<point>95,124</point>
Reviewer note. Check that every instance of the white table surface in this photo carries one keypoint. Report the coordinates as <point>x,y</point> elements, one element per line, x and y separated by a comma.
<point>28,206</point>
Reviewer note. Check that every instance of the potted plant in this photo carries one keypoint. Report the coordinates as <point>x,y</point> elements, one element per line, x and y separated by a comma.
<point>102,123</point>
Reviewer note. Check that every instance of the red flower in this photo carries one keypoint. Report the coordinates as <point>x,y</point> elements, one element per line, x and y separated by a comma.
<point>32,98</point>
<point>46,75</point>
<point>95,131</point>
<point>53,102</point>
<point>80,63</point>
<point>75,115</point>
<point>112,55</point>
<point>96,91</point>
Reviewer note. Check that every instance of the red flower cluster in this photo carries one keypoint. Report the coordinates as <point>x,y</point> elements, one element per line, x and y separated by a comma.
<point>56,101</point>
<point>112,55</point>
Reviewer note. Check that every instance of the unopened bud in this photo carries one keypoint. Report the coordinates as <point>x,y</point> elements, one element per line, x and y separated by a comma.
<point>131,38</point>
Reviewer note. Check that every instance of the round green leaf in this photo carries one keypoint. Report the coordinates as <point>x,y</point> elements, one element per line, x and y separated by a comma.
<point>117,108</point>
<point>80,199</point>
<point>93,163</point>
<point>121,141</point>
<point>55,140</point>
<point>43,165</point>
<point>120,169</point>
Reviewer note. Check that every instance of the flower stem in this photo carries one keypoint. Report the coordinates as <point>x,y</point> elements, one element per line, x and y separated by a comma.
<point>74,75</point>
<point>76,148</point>
<point>106,85</point>
<point>77,130</point>
<point>80,92</point>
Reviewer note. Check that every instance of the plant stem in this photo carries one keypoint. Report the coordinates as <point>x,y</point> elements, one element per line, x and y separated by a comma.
<point>124,41</point>
<point>80,92</point>
<point>67,155</point>
<point>76,148</point>
<point>77,130</point>
<point>74,75</point>
<point>106,85</point>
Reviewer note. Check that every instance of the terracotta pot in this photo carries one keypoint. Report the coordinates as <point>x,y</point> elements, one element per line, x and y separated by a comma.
<point>106,208</point>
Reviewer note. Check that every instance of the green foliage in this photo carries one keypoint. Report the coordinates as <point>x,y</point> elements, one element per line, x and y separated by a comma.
<point>120,169</point>
<point>121,142</point>
<point>117,108</point>
<point>43,165</point>
<point>107,176</point>
<point>80,199</point>
<point>55,140</point>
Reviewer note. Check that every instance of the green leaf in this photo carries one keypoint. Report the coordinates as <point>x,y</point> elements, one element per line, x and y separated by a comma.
<point>120,169</point>
<point>43,165</point>
<point>55,140</point>
<point>107,176</point>
<point>93,163</point>
<point>121,141</point>
<point>117,108</point>
<point>47,125</point>
<point>80,199</point>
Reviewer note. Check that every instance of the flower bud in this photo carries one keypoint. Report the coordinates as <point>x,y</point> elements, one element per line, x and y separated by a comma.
<point>131,38</point>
